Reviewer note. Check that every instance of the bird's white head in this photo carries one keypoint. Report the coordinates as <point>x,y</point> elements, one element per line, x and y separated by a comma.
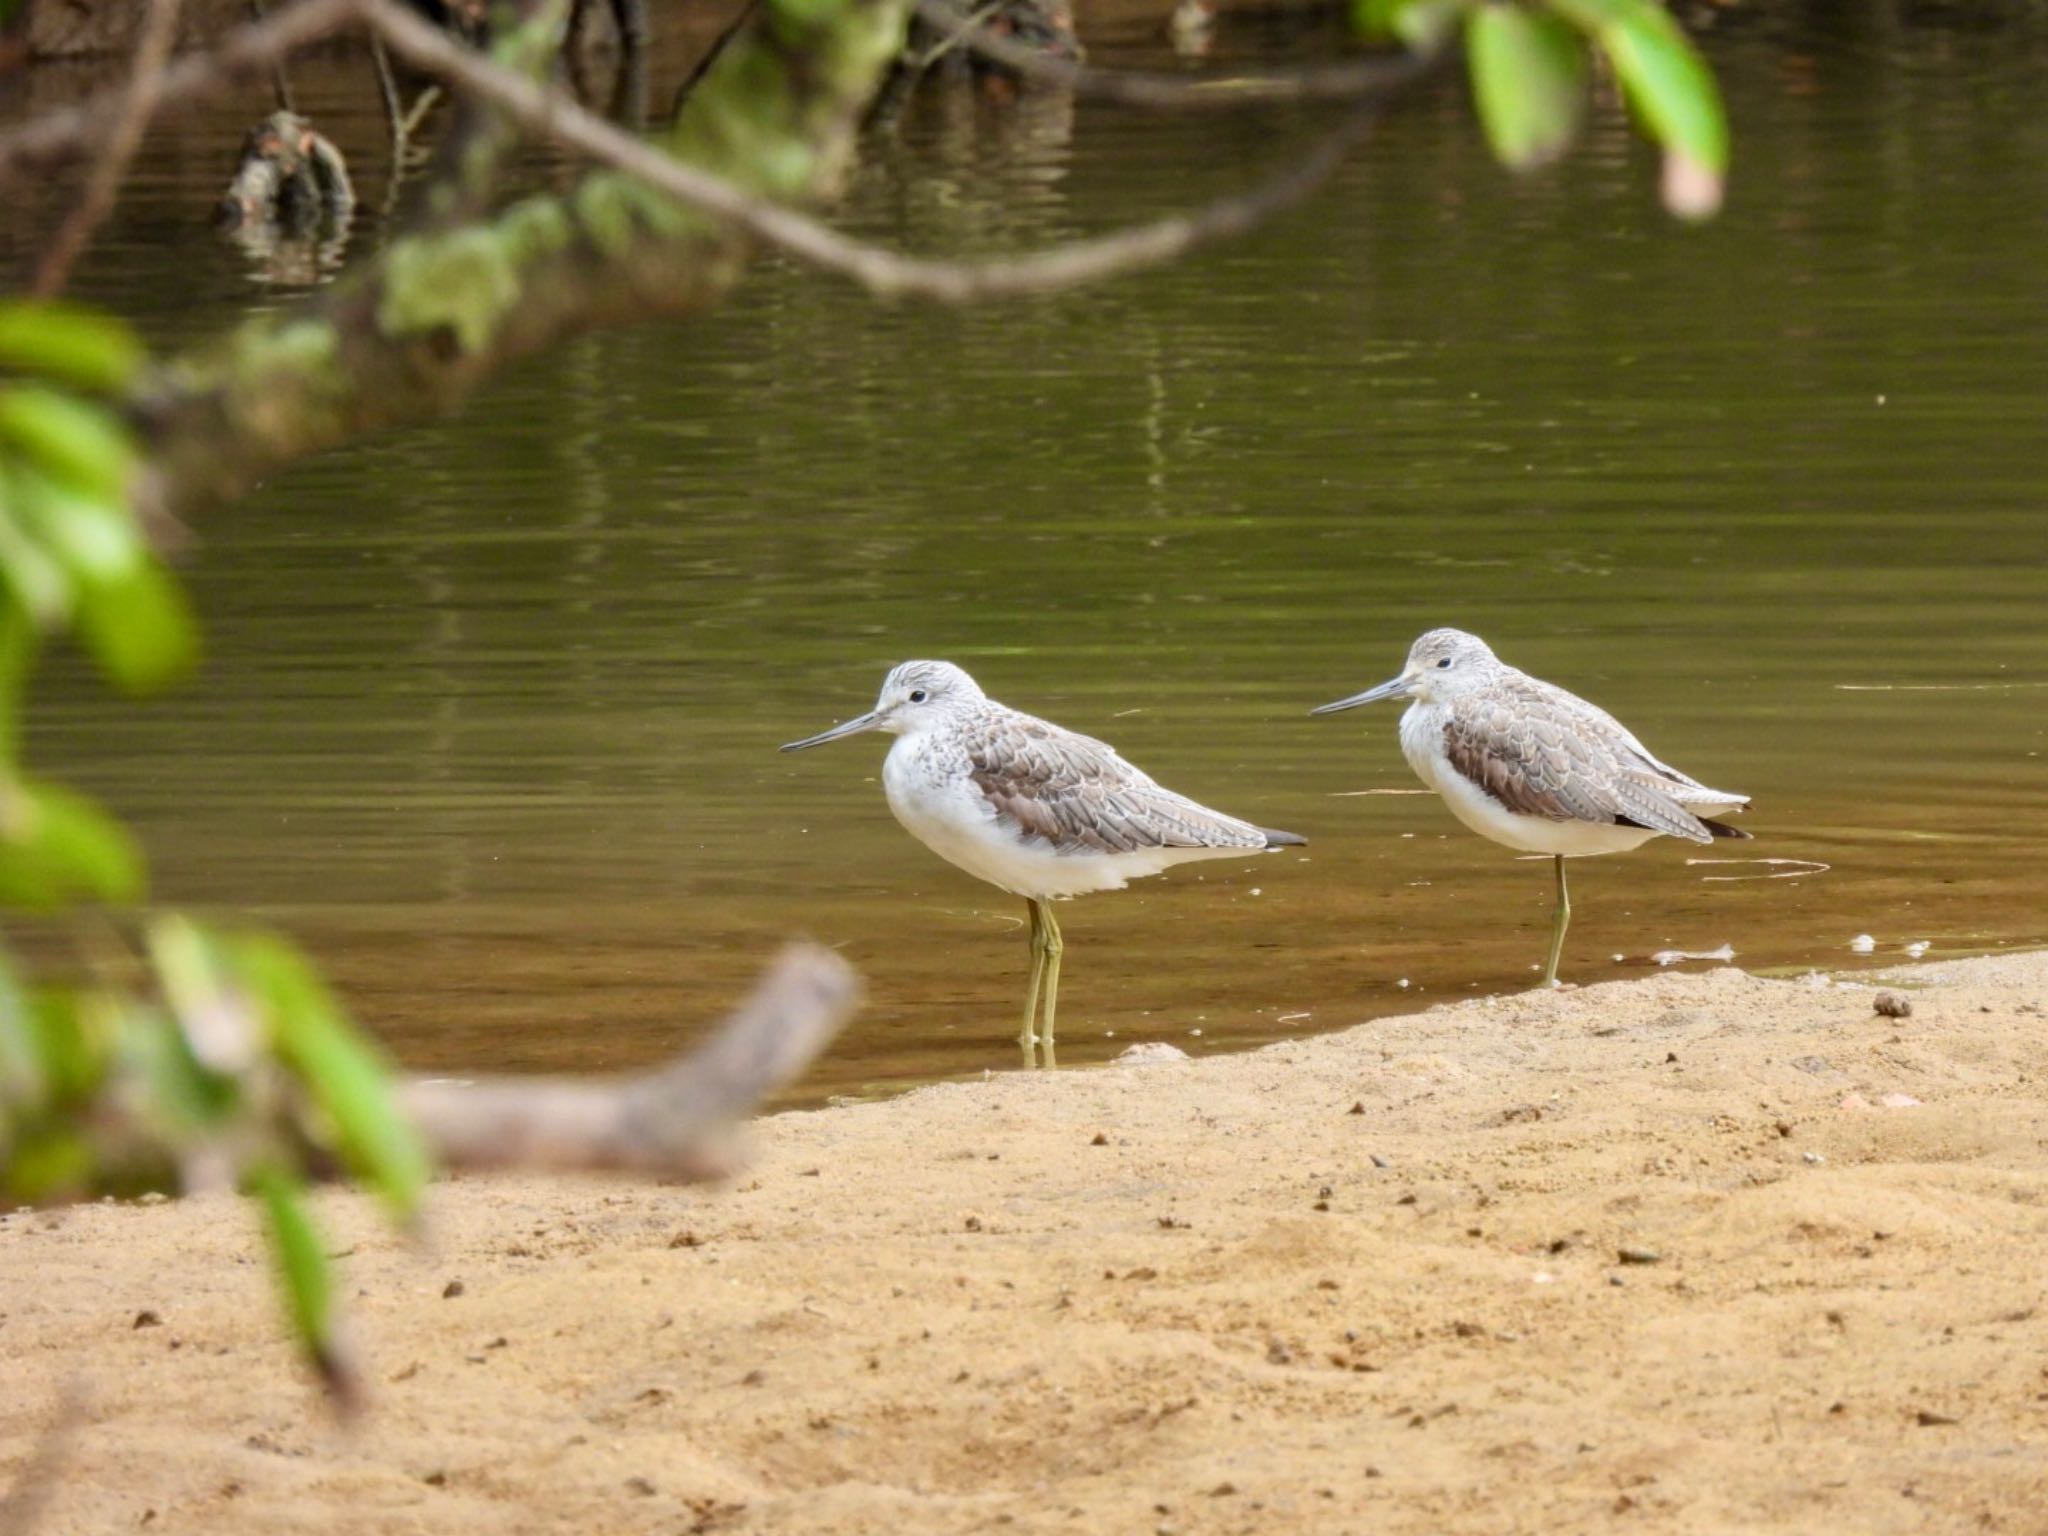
<point>915,695</point>
<point>1441,665</point>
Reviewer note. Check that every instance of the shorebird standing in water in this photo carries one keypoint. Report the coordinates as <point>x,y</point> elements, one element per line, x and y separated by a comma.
<point>1523,762</point>
<point>1039,811</point>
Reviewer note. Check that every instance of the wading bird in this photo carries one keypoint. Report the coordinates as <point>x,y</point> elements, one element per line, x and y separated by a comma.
<point>1036,810</point>
<point>1529,765</point>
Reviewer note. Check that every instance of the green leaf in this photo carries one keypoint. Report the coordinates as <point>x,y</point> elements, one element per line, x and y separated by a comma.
<point>1421,24</point>
<point>37,583</point>
<point>21,1065</point>
<point>70,439</point>
<point>302,1266</point>
<point>57,846</point>
<point>131,614</point>
<point>94,536</point>
<point>79,346</point>
<point>1671,91</point>
<point>338,1067</point>
<point>48,1166</point>
<point>73,1034</point>
<point>1529,80</point>
<point>139,627</point>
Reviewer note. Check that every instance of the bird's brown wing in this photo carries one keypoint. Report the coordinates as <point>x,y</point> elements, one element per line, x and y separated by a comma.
<point>1076,794</point>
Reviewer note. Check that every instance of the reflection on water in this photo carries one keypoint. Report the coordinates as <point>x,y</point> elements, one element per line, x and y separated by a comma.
<point>492,706</point>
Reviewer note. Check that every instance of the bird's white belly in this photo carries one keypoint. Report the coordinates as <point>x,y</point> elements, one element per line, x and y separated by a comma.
<point>1421,745</point>
<point>952,818</point>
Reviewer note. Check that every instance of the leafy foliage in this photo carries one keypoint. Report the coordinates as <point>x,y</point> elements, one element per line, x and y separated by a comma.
<point>1529,59</point>
<point>236,1065</point>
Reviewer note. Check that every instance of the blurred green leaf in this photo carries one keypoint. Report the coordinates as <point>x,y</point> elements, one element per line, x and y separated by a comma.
<point>1421,24</point>
<point>50,1163</point>
<point>57,846</point>
<point>33,577</point>
<point>70,439</point>
<point>302,1265</point>
<point>79,346</point>
<point>73,1036</point>
<point>131,614</point>
<point>1671,91</point>
<point>93,536</point>
<point>1529,80</point>
<point>339,1068</point>
<point>21,1066</point>
<point>139,628</point>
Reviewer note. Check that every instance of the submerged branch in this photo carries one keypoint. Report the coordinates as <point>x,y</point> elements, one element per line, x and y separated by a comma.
<point>668,1121</point>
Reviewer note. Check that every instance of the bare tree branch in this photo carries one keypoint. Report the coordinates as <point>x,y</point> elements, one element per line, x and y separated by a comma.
<point>667,1121</point>
<point>246,50</point>
<point>1349,81</point>
<point>555,114</point>
<point>152,52</point>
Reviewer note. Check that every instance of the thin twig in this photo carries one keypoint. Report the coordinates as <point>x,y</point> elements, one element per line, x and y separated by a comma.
<point>957,29</point>
<point>1349,81</point>
<point>152,52</point>
<point>885,273</point>
<point>668,1121</point>
<point>280,86</point>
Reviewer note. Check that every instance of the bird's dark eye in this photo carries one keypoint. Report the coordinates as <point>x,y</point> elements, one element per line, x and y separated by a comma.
<point>1444,663</point>
<point>918,695</point>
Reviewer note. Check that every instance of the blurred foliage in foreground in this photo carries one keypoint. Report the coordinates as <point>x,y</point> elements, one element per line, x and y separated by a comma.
<point>233,1066</point>
<point>1531,64</point>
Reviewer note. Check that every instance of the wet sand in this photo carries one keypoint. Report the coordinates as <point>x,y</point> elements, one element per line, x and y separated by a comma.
<point>1693,1253</point>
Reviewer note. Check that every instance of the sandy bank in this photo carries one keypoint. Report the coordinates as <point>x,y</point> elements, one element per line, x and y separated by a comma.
<point>1369,1282</point>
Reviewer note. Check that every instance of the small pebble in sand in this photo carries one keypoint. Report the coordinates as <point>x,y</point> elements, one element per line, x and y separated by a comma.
<point>1634,1255</point>
<point>1862,944</point>
<point>451,1290</point>
<point>1893,1005</point>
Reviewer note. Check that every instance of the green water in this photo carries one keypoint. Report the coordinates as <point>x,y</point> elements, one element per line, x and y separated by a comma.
<point>490,713</point>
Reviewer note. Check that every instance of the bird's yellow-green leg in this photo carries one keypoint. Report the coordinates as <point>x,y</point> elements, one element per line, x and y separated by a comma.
<point>1558,925</point>
<point>1055,946</point>
<point>1028,1037</point>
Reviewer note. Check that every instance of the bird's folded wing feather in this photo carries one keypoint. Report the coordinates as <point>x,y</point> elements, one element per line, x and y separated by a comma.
<point>1078,795</point>
<point>1553,755</point>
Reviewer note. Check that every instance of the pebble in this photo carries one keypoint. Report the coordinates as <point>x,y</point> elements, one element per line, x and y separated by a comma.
<point>1862,944</point>
<point>1893,1005</point>
<point>1639,1256</point>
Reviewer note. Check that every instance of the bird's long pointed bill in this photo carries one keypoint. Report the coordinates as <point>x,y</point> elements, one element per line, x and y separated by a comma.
<point>851,727</point>
<point>1392,688</point>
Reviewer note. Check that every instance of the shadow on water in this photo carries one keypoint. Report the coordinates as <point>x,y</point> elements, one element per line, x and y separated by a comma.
<point>491,710</point>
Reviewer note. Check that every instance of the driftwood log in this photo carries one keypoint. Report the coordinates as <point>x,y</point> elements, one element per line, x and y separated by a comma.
<point>672,1121</point>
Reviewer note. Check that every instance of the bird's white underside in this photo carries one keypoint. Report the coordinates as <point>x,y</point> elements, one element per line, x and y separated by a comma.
<point>955,820</point>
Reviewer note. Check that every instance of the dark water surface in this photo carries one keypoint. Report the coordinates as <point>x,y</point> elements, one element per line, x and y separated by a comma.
<point>490,712</point>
